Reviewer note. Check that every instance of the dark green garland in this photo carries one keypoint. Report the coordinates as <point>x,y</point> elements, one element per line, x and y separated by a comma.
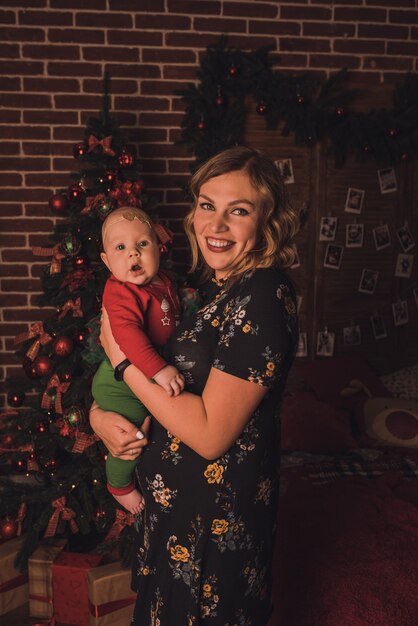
<point>311,109</point>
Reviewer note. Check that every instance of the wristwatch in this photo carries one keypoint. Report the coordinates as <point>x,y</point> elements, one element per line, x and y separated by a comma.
<point>119,369</point>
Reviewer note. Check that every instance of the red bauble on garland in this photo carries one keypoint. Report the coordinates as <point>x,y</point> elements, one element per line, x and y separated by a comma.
<point>126,159</point>
<point>16,399</point>
<point>74,416</point>
<point>8,528</point>
<point>77,193</point>
<point>63,346</point>
<point>58,203</point>
<point>80,150</point>
<point>42,365</point>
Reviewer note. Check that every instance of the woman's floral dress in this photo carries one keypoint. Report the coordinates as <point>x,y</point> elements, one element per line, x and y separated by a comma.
<point>205,540</point>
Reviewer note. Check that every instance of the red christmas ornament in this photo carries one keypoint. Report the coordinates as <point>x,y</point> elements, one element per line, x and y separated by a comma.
<point>65,377</point>
<point>7,440</point>
<point>8,528</point>
<point>80,262</point>
<point>340,111</point>
<point>16,399</point>
<point>20,465</point>
<point>58,203</point>
<point>110,176</point>
<point>81,336</point>
<point>77,193</point>
<point>80,150</point>
<point>233,70</point>
<point>201,125</point>
<point>261,108</point>
<point>42,365</point>
<point>41,427</point>
<point>126,159</point>
<point>63,346</point>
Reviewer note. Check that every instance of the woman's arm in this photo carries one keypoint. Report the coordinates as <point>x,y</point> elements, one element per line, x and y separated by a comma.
<point>209,424</point>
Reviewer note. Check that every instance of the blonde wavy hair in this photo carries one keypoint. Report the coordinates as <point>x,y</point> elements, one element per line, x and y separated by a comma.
<point>278,223</point>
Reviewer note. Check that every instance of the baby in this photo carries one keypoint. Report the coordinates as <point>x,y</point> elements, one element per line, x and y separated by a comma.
<point>143,310</point>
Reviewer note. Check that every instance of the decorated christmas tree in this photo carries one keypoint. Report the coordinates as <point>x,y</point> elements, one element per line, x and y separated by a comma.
<point>52,475</point>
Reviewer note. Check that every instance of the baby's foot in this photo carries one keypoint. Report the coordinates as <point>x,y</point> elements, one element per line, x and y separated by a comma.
<point>133,501</point>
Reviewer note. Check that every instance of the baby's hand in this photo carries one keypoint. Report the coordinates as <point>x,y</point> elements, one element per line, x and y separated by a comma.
<point>170,379</point>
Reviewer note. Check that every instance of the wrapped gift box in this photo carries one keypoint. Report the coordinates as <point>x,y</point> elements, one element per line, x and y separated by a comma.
<point>110,597</point>
<point>13,584</point>
<point>40,578</point>
<point>69,585</point>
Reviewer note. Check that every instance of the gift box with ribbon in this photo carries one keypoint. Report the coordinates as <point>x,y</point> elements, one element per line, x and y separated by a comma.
<point>40,578</point>
<point>13,583</point>
<point>110,597</point>
<point>70,589</point>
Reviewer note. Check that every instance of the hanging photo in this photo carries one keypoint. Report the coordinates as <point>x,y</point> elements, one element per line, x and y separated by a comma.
<point>354,234</point>
<point>354,200</point>
<point>328,228</point>
<point>381,236</point>
<point>333,256</point>
<point>378,326</point>
<point>352,335</point>
<point>325,343</point>
<point>405,238</point>
<point>302,345</point>
<point>368,281</point>
<point>404,265</point>
<point>387,180</point>
<point>400,312</point>
<point>298,302</point>
<point>286,170</point>
<point>296,262</point>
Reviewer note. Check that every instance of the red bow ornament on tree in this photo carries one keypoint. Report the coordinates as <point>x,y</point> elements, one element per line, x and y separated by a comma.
<point>56,254</point>
<point>71,305</point>
<point>122,519</point>
<point>36,330</point>
<point>67,514</point>
<point>83,441</point>
<point>104,143</point>
<point>48,399</point>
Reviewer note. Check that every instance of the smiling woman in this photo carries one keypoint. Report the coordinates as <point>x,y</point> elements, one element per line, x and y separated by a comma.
<point>225,221</point>
<point>209,474</point>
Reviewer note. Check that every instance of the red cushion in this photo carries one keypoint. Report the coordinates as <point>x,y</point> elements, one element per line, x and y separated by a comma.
<point>327,377</point>
<point>309,425</point>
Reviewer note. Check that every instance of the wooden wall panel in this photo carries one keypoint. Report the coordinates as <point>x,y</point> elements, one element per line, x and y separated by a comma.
<point>330,297</point>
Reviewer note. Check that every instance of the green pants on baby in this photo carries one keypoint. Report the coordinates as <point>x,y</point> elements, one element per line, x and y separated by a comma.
<point>114,395</point>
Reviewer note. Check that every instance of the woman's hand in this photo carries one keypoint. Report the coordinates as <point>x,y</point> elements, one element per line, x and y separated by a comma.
<point>113,352</point>
<point>121,438</point>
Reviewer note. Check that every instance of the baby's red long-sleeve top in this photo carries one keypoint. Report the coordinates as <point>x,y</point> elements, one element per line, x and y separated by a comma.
<point>142,317</point>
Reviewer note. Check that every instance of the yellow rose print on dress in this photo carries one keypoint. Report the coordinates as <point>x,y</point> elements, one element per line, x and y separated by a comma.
<point>179,553</point>
<point>219,526</point>
<point>209,598</point>
<point>214,473</point>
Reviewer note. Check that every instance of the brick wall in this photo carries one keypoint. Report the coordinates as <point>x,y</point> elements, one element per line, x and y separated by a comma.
<point>53,55</point>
